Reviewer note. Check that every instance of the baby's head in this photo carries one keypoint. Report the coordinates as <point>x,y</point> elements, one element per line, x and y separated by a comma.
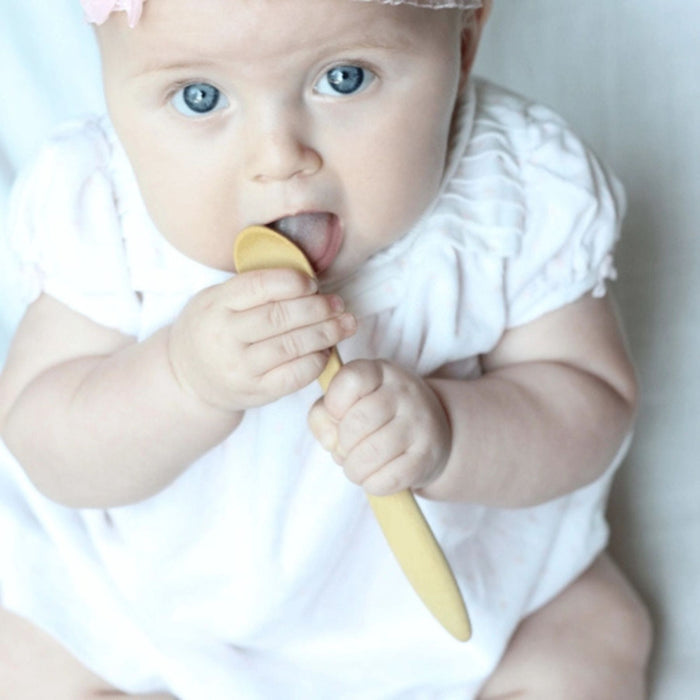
<point>328,118</point>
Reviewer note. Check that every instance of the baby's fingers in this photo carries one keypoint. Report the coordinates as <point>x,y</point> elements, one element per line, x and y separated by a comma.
<point>281,350</point>
<point>381,463</point>
<point>355,380</point>
<point>279,317</point>
<point>323,427</point>
<point>248,290</point>
<point>294,375</point>
<point>363,419</point>
<point>395,476</point>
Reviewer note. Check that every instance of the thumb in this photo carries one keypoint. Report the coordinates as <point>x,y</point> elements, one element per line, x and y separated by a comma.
<point>324,428</point>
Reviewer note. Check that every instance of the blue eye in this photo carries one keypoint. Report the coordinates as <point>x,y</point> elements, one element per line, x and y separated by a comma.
<point>344,80</point>
<point>198,99</point>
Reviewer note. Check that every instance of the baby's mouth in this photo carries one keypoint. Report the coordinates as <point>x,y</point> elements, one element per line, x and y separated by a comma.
<point>318,234</point>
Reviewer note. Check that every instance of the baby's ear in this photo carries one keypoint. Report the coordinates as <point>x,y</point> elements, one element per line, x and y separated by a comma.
<point>474,22</point>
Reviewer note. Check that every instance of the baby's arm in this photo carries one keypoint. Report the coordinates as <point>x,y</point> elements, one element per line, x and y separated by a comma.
<point>98,419</point>
<point>557,399</point>
<point>555,403</point>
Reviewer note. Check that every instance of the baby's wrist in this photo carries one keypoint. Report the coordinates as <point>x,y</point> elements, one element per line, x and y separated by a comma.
<point>198,397</point>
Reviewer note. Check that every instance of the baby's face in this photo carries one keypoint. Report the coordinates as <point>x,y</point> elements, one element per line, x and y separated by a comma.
<point>329,117</point>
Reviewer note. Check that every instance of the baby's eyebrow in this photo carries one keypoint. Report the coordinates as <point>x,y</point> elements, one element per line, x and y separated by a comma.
<point>380,41</point>
<point>394,43</point>
<point>369,41</point>
<point>174,65</point>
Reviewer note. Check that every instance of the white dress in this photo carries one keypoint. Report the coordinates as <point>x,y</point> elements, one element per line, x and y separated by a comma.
<point>260,573</point>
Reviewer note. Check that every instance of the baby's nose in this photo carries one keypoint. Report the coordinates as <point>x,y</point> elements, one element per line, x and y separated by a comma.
<point>279,150</point>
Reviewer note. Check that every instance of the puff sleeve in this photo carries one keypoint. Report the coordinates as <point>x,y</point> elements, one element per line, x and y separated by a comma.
<point>573,208</point>
<point>65,230</point>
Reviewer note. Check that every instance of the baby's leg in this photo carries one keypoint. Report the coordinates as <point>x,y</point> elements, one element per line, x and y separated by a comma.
<point>592,642</point>
<point>33,666</point>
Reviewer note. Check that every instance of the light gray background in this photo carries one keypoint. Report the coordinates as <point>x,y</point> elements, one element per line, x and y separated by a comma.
<point>625,74</point>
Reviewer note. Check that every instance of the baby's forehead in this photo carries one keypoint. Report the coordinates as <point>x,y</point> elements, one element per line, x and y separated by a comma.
<point>182,33</point>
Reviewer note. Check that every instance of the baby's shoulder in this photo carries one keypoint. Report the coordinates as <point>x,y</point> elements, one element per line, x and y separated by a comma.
<point>500,109</point>
<point>77,147</point>
<point>535,144</point>
<point>536,137</point>
<point>70,172</point>
<point>509,106</point>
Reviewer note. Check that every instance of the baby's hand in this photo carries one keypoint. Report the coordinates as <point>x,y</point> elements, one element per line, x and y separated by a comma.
<point>255,338</point>
<point>384,426</point>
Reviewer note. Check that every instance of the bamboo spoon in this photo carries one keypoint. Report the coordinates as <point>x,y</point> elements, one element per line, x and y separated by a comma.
<point>404,525</point>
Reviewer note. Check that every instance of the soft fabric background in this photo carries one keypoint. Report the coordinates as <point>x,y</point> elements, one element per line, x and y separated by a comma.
<point>624,73</point>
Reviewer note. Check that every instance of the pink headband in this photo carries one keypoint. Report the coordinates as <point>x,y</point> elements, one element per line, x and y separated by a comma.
<point>97,11</point>
<point>434,4</point>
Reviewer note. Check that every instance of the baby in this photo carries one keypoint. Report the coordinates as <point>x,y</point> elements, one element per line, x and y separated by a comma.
<point>169,465</point>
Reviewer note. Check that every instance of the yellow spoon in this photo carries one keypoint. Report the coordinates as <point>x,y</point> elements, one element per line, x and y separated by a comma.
<point>401,520</point>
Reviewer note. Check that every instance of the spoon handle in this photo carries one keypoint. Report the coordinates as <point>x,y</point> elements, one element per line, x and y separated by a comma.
<point>404,526</point>
<point>414,545</point>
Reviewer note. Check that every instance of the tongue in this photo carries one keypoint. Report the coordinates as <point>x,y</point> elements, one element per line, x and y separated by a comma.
<point>311,232</point>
